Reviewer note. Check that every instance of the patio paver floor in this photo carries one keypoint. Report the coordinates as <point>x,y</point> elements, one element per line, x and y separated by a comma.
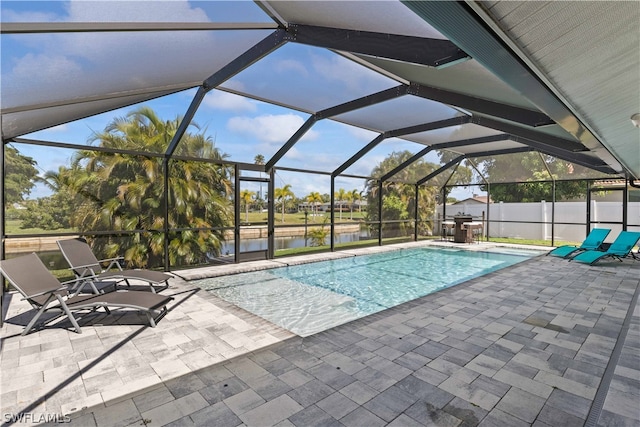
<point>533,345</point>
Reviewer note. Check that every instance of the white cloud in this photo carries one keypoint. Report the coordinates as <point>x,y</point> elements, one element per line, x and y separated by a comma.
<point>9,15</point>
<point>57,65</point>
<point>291,65</point>
<point>138,11</point>
<point>234,84</point>
<point>229,102</point>
<point>364,166</point>
<point>325,162</point>
<point>85,64</point>
<point>269,128</point>
<point>303,183</point>
<point>362,134</point>
<point>354,76</point>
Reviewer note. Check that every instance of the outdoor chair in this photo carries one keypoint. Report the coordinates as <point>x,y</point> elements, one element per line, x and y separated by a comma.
<point>85,265</point>
<point>473,231</point>
<point>593,242</point>
<point>29,276</point>
<point>447,230</point>
<point>619,249</point>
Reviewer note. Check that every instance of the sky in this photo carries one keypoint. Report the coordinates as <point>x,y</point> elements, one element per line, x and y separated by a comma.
<point>36,68</point>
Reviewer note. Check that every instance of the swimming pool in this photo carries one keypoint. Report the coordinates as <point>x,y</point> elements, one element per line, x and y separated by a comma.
<point>309,298</point>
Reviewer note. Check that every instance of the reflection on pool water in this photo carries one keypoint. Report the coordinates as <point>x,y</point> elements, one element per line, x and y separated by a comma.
<point>310,298</point>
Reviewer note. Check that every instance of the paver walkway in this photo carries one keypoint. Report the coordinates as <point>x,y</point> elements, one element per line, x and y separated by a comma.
<point>544,343</point>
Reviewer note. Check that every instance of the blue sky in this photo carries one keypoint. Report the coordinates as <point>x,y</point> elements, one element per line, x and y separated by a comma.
<point>241,127</point>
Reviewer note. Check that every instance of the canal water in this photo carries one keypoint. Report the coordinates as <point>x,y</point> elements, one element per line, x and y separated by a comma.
<point>55,261</point>
<point>248,245</point>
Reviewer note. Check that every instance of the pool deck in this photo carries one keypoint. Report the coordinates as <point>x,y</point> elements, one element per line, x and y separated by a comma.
<point>546,342</point>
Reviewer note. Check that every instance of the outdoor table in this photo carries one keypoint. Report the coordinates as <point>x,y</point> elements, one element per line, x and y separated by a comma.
<point>460,234</point>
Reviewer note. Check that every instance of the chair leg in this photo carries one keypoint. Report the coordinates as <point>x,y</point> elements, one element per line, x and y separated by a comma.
<point>152,321</point>
<point>36,317</point>
<point>63,309</point>
<point>69,314</point>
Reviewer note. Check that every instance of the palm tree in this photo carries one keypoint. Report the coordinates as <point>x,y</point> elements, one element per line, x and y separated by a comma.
<point>314,198</point>
<point>352,197</point>
<point>126,192</point>
<point>259,160</point>
<point>283,194</point>
<point>399,200</point>
<point>246,197</point>
<point>340,196</point>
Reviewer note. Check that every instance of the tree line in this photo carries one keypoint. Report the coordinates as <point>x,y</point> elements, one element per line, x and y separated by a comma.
<point>286,201</point>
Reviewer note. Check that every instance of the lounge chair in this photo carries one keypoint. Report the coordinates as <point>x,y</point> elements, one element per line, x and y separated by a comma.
<point>85,265</point>
<point>620,248</point>
<point>593,241</point>
<point>44,292</point>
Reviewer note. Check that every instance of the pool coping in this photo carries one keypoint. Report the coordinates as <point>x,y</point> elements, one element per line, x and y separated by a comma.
<point>292,261</point>
<point>247,267</point>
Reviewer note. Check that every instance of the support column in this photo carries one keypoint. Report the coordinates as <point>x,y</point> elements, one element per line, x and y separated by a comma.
<point>332,214</point>
<point>271,241</point>
<point>165,228</point>
<point>380,213</point>
<point>236,214</point>
<point>543,215</point>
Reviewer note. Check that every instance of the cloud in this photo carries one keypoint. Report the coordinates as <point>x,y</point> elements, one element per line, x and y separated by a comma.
<point>269,128</point>
<point>229,102</point>
<point>364,166</point>
<point>303,183</point>
<point>362,134</point>
<point>353,76</point>
<point>291,65</point>
<point>9,15</point>
<point>57,65</point>
<point>85,64</point>
<point>139,11</point>
<point>325,162</point>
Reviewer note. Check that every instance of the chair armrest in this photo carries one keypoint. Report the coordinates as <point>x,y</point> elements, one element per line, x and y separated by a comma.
<point>39,294</point>
<point>111,259</point>
<point>83,266</point>
<point>76,280</point>
<point>113,262</point>
<point>81,283</point>
<point>88,272</point>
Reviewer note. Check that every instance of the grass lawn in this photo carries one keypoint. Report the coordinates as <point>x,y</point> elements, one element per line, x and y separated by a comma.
<point>298,218</point>
<point>528,241</point>
<point>12,226</point>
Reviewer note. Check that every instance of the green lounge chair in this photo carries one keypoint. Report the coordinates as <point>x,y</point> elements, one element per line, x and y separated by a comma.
<point>592,242</point>
<point>619,249</point>
<point>29,276</point>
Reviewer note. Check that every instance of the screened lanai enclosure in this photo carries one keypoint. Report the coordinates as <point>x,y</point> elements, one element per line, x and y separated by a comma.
<point>191,133</point>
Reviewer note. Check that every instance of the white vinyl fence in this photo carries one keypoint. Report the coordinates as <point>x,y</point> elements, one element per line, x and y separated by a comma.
<point>533,220</point>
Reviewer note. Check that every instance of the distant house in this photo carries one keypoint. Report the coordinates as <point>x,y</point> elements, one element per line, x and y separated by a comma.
<point>324,207</point>
<point>474,200</point>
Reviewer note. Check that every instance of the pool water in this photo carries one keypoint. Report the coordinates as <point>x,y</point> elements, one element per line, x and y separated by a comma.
<point>309,298</point>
